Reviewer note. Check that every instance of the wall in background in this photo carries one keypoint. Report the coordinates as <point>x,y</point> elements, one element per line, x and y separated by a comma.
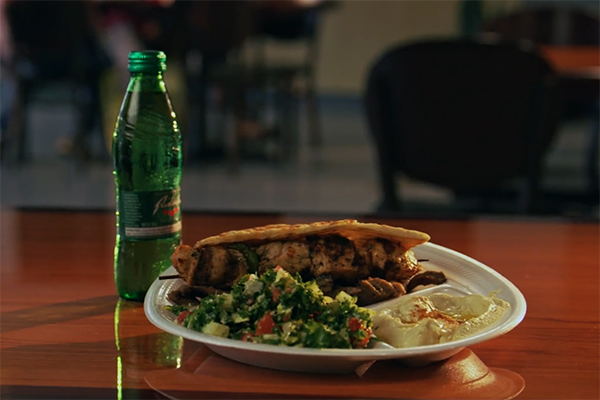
<point>357,31</point>
<point>355,34</point>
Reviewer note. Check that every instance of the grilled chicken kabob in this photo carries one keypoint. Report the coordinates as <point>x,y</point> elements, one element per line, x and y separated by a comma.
<point>370,261</point>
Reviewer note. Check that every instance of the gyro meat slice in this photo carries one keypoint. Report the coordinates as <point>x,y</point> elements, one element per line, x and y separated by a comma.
<point>294,256</point>
<point>325,283</point>
<point>185,260</point>
<point>189,295</point>
<point>426,278</point>
<point>333,255</point>
<point>402,264</point>
<point>371,258</point>
<point>212,267</point>
<point>375,290</point>
<point>237,268</point>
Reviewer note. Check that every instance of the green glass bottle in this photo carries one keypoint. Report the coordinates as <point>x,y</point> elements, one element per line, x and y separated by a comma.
<point>147,164</point>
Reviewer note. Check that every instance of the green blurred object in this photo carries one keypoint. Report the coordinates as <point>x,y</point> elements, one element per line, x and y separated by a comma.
<point>147,61</point>
<point>137,355</point>
<point>147,161</point>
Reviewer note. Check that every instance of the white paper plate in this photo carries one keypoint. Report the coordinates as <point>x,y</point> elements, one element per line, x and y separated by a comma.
<point>465,276</point>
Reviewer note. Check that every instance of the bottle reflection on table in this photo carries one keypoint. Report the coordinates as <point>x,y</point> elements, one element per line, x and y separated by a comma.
<point>139,352</point>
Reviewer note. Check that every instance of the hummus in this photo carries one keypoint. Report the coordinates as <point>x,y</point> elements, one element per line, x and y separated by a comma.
<point>436,318</point>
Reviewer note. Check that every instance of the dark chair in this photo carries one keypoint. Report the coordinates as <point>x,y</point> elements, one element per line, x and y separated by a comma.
<point>465,115</point>
<point>54,42</point>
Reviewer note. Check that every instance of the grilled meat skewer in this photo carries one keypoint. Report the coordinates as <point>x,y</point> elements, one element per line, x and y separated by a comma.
<point>373,270</point>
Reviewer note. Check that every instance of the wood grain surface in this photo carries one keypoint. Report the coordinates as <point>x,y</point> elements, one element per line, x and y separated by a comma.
<point>65,334</point>
<point>583,61</point>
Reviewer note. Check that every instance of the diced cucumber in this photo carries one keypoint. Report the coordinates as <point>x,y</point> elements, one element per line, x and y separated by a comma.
<point>253,286</point>
<point>216,329</point>
<point>281,273</point>
<point>227,300</point>
<point>314,288</point>
<point>236,318</point>
<point>343,296</point>
<point>287,328</point>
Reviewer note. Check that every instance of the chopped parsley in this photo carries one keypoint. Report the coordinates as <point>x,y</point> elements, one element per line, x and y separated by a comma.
<point>279,309</point>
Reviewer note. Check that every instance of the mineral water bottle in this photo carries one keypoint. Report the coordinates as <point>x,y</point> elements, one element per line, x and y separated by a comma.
<point>147,164</point>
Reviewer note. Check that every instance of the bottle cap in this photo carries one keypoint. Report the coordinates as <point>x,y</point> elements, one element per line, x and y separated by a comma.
<point>150,61</point>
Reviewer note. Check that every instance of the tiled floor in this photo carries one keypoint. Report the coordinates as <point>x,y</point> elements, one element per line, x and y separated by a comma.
<point>341,178</point>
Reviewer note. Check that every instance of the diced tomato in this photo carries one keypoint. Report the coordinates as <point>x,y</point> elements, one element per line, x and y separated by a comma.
<point>181,317</point>
<point>276,292</point>
<point>354,324</point>
<point>277,268</point>
<point>246,336</point>
<point>265,325</point>
<point>361,343</point>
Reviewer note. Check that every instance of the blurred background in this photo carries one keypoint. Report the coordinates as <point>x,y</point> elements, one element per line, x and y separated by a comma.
<point>413,108</point>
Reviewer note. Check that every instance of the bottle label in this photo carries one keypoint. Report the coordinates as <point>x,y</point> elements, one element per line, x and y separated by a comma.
<point>149,215</point>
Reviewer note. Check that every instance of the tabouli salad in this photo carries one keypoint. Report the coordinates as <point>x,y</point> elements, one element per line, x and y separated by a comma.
<point>277,308</point>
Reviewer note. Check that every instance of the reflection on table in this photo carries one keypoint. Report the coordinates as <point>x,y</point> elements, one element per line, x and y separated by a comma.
<point>65,333</point>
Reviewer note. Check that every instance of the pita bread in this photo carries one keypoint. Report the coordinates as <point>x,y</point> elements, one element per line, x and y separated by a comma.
<point>349,228</point>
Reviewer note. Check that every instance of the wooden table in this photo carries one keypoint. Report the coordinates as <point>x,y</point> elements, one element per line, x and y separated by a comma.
<point>574,60</point>
<point>66,335</point>
<point>578,68</point>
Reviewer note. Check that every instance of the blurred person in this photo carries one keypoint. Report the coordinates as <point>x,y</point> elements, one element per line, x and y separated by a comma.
<point>221,30</point>
<point>119,37</point>
<point>130,26</point>
<point>7,83</point>
<point>54,41</point>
